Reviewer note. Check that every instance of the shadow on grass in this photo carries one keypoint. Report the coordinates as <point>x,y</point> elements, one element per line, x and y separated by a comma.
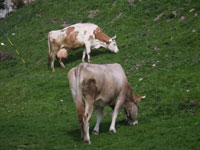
<point>104,128</point>
<point>75,134</point>
<point>75,55</point>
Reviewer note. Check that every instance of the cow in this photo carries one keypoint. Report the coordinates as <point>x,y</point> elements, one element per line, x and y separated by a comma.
<point>94,85</point>
<point>86,35</point>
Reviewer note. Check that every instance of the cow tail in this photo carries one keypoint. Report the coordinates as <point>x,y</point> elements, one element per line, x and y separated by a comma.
<point>49,53</point>
<point>80,107</point>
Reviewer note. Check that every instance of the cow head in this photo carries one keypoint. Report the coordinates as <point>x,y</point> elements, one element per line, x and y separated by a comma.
<point>131,110</point>
<point>112,46</point>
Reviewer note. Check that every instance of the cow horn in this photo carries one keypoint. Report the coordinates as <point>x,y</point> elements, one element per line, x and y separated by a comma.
<point>114,37</point>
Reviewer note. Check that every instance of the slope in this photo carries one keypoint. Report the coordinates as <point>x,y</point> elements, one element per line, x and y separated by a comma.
<point>159,47</point>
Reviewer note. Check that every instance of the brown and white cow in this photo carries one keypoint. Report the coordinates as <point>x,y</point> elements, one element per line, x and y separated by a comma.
<point>98,86</point>
<point>82,34</point>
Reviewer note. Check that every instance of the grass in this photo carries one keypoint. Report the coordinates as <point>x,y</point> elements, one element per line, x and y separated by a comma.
<point>161,59</point>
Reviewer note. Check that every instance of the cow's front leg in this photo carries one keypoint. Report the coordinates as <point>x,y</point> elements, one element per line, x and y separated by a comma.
<point>115,113</point>
<point>88,50</point>
<point>83,57</point>
<point>99,118</point>
<point>89,60</point>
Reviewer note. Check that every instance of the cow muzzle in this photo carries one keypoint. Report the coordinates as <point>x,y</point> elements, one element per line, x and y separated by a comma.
<point>116,51</point>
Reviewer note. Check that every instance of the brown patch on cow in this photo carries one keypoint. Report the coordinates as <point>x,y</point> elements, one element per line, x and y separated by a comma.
<point>71,40</point>
<point>90,38</point>
<point>101,36</point>
<point>85,32</point>
<point>89,88</point>
<point>69,30</point>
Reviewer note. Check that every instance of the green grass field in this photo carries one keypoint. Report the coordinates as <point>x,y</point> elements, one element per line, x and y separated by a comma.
<point>159,47</point>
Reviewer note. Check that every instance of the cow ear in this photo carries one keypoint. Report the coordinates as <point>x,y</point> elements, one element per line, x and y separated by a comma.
<point>114,37</point>
<point>138,98</point>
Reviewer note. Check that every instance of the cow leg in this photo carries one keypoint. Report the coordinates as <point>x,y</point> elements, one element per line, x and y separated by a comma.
<point>115,113</point>
<point>83,57</point>
<point>52,62</point>
<point>61,63</point>
<point>80,107</point>
<point>89,92</point>
<point>99,118</point>
<point>86,118</point>
<point>88,50</point>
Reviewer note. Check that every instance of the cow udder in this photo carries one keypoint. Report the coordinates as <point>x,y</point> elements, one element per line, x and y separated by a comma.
<point>62,53</point>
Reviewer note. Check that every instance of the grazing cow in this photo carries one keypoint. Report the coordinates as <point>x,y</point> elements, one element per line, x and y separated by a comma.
<point>98,86</point>
<point>75,36</point>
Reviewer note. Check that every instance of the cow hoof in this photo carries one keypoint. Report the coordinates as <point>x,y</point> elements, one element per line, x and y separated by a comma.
<point>87,141</point>
<point>112,131</point>
<point>135,123</point>
<point>95,132</point>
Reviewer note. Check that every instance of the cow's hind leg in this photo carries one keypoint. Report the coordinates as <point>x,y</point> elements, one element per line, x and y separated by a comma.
<point>99,118</point>
<point>80,107</point>
<point>86,118</point>
<point>52,63</point>
<point>89,91</point>
<point>61,63</point>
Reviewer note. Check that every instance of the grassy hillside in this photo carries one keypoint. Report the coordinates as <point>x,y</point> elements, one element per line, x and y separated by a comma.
<point>159,47</point>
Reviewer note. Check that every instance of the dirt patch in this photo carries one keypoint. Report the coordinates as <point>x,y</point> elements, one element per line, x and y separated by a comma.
<point>5,56</point>
<point>93,13</point>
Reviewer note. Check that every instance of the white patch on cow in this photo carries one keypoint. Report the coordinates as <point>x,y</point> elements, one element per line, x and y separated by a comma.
<point>81,28</point>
